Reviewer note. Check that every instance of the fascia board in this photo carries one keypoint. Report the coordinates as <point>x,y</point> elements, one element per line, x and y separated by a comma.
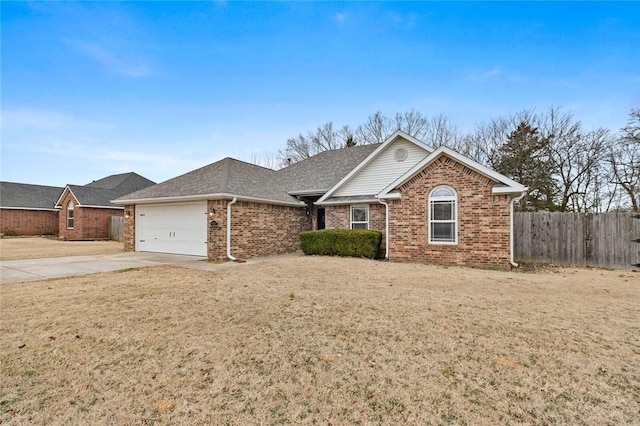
<point>345,202</point>
<point>372,156</point>
<point>513,186</point>
<point>29,208</point>
<point>307,192</point>
<point>64,192</point>
<point>101,207</point>
<point>216,196</point>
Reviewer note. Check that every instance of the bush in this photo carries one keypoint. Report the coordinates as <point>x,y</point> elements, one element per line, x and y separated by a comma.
<point>341,242</point>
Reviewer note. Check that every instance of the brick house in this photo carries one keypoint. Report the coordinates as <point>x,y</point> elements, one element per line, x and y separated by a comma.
<point>74,212</point>
<point>85,211</point>
<point>432,205</point>
<point>28,209</point>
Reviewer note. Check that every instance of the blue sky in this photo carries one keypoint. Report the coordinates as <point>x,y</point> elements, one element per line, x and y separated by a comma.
<point>91,89</point>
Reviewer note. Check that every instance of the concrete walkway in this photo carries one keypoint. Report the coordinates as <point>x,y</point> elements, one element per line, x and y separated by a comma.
<point>12,271</point>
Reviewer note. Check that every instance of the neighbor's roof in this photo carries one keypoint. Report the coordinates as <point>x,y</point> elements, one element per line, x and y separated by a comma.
<point>124,183</point>
<point>99,193</point>
<point>225,178</point>
<point>319,173</point>
<point>27,196</point>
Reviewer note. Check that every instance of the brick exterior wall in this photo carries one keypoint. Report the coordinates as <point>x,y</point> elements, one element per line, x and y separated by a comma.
<point>88,223</point>
<point>483,219</point>
<point>339,217</point>
<point>256,229</point>
<point>28,222</point>
<point>265,229</point>
<point>129,230</point>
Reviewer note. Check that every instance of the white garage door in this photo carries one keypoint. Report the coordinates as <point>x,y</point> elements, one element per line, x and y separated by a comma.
<point>172,228</point>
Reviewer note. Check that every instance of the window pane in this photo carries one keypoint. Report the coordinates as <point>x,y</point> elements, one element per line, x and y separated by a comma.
<point>359,214</point>
<point>442,210</point>
<point>442,192</point>
<point>442,232</point>
<point>359,226</point>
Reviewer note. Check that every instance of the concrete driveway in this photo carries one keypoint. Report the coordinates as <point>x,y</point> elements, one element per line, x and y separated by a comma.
<point>12,271</point>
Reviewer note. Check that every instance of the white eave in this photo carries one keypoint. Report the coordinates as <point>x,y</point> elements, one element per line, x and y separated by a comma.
<point>29,208</point>
<point>347,200</point>
<point>216,196</point>
<point>506,186</point>
<point>371,157</point>
<point>64,192</point>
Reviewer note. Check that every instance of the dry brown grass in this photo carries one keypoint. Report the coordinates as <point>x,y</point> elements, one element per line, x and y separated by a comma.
<point>311,340</point>
<point>39,247</point>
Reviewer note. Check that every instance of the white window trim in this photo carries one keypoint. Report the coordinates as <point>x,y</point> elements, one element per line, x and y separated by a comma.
<point>453,198</point>
<point>358,206</point>
<point>71,207</point>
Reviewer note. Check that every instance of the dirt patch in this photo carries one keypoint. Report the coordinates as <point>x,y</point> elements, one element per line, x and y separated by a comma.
<point>305,340</point>
<point>41,247</point>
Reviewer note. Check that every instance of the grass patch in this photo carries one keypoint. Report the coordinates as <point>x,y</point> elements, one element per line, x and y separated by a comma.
<point>318,340</point>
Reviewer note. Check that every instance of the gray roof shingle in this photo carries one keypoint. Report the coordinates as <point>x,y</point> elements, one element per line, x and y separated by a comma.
<point>101,192</point>
<point>22,195</point>
<point>322,171</point>
<point>229,176</point>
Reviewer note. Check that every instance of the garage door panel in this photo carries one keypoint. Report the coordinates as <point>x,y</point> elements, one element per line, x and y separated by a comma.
<point>172,228</point>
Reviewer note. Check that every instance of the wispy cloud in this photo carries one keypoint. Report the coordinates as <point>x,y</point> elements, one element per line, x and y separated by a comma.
<point>109,60</point>
<point>42,119</point>
<point>340,18</point>
<point>480,75</point>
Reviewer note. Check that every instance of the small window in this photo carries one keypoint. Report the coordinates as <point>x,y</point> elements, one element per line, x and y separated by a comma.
<point>70,208</point>
<point>359,217</point>
<point>443,216</point>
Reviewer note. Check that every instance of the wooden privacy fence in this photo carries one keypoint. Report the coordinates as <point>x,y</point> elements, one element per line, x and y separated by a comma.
<point>116,228</point>
<point>610,240</point>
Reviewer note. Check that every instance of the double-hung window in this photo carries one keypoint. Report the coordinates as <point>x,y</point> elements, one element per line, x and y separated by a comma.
<point>443,222</point>
<point>70,209</point>
<point>360,217</point>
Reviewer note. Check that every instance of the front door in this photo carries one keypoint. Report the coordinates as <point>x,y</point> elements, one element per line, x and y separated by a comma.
<point>320,218</point>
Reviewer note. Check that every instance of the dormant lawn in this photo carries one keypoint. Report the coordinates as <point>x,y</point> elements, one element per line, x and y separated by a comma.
<point>313,340</point>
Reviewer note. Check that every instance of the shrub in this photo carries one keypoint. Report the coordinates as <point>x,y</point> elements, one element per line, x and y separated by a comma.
<point>341,242</point>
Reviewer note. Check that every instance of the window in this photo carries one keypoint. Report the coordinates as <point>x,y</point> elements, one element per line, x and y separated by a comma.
<point>359,217</point>
<point>442,216</point>
<point>70,207</point>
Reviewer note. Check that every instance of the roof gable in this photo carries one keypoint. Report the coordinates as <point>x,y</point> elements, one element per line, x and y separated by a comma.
<point>376,160</point>
<point>99,193</point>
<point>504,185</point>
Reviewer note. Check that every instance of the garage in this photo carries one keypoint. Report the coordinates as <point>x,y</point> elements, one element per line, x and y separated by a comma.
<point>179,228</point>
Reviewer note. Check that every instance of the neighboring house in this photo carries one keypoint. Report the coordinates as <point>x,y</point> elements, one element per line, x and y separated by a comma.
<point>28,209</point>
<point>85,211</point>
<point>432,205</point>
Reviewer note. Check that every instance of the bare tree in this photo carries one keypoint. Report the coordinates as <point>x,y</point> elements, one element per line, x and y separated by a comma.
<point>578,159</point>
<point>441,132</point>
<point>300,147</point>
<point>624,160</point>
<point>376,129</point>
<point>268,160</point>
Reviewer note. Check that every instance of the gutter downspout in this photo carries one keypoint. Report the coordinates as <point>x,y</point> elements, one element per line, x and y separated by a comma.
<point>386,227</point>
<point>232,202</point>
<point>511,243</point>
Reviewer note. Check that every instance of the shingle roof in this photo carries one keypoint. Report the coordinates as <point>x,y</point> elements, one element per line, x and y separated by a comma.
<point>22,195</point>
<point>123,183</point>
<point>227,176</point>
<point>234,177</point>
<point>322,171</point>
<point>101,192</point>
